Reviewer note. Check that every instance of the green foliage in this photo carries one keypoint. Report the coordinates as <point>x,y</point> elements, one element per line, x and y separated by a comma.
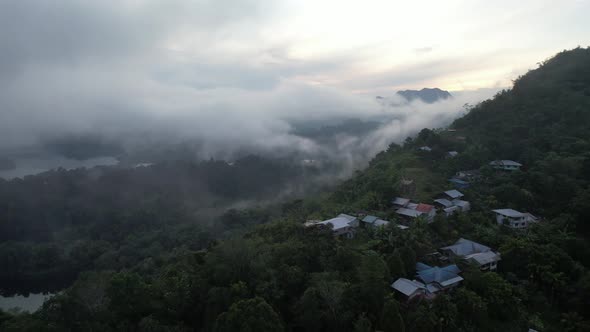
<point>254,315</point>
<point>362,324</point>
<point>391,319</point>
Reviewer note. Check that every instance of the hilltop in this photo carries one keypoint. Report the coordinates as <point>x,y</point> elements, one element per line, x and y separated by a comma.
<point>426,95</point>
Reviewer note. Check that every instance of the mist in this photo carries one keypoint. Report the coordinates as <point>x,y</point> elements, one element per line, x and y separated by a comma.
<point>132,75</point>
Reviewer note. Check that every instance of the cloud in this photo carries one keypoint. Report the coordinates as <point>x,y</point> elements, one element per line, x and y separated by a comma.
<point>228,73</point>
<point>422,50</point>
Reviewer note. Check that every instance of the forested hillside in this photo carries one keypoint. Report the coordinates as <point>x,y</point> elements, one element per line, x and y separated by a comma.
<point>59,223</point>
<point>282,276</point>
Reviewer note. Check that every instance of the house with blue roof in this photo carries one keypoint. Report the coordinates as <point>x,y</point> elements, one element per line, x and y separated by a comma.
<point>429,281</point>
<point>459,184</point>
<point>437,278</point>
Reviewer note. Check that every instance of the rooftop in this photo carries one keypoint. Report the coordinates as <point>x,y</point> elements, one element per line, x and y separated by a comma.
<point>444,276</point>
<point>444,202</point>
<point>370,219</point>
<point>407,287</point>
<point>454,193</point>
<point>400,201</point>
<point>408,212</point>
<point>505,163</point>
<point>509,213</point>
<point>460,203</point>
<point>464,247</point>
<point>381,222</point>
<point>337,223</point>
<point>484,257</point>
<point>424,208</point>
<point>452,209</point>
<point>347,216</point>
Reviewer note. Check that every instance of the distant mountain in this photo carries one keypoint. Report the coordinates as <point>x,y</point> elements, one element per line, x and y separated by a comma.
<point>426,95</point>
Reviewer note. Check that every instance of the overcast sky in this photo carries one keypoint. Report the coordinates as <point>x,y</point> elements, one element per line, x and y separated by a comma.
<point>212,66</point>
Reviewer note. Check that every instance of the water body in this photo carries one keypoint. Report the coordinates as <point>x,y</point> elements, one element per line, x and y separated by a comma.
<point>32,166</point>
<point>29,303</point>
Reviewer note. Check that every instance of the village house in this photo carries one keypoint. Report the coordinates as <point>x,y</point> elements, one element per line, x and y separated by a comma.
<point>451,203</point>
<point>413,211</point>
<point>513,218</point>
<point>473,252</point>
<point>408,213</point>
<point>425,148</point>
<point>452,154</point>
<point>426,210</point>
<point>506,165</point>
<point>459,184</point>
<point>374,221</point>
<point>469,175</point>
<point>464,206</point>
<point>437,278</point>
<point>400,202</point>
<point>409,289</point>
<point>429,281</point>
<point>343,225</point>
<point>452,194</point>
<point>443,203</point>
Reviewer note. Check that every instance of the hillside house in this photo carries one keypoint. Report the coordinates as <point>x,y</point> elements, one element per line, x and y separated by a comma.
<point>400,202</point>
<point>451,203</point>
<point>506,165</point>
<point>459,184</point>
<point>437,278</point>
<point>469,175</point>
<point>452,154</point>
<point>513,218</point>
<point>343,225</point>
<point>411,211</point>
<point>429,281</point>
<point>443,203</point>
<point>408,213</point>
<point>374,221</point>
<point>425,148</point>
<point>452,194</point>
<point>473,252</point>
<point>464,206</point>
<point>409,289</point>
<point>427,210</point>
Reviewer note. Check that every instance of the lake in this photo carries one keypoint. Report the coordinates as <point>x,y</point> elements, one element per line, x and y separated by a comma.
<point>32,166</point>
<point>29,303</point>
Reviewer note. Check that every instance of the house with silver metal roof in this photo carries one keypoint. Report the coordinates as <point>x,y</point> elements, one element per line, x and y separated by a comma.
<point>506,165</point>
<point>450,202</point>
<point>410,289</point>
<point>514,219</point>
<point>400,202</point>
<point>374,221</point>
<point>453,194</point>
<point>474,252</point>
<point>343,225</point>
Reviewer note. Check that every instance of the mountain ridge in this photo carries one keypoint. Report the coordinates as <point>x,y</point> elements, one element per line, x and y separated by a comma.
<point>427,95</point>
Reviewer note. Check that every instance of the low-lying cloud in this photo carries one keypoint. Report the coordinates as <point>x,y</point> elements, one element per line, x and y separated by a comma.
<point>124,71</point>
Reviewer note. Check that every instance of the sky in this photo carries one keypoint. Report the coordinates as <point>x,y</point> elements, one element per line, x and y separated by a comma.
<point>237,71</point>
